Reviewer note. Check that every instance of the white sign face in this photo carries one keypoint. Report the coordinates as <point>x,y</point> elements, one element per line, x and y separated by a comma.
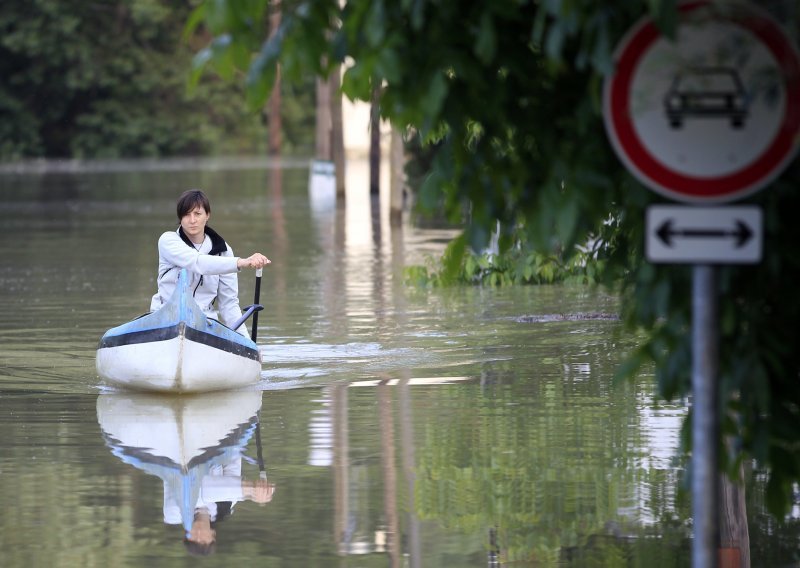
<point>707,235</point>
<point>701,111</point>
<point>711,116</point>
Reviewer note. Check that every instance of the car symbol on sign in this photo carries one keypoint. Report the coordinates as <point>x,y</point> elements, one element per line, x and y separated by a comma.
<point>713,92</point>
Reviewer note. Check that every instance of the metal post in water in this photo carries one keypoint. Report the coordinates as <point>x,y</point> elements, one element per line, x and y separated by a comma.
<point>705,419</point>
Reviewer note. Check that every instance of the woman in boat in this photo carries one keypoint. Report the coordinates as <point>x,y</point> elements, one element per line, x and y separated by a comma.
<point>213,268</point>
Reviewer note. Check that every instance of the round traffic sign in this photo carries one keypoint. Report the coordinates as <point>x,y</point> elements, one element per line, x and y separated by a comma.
<point>712,115</point>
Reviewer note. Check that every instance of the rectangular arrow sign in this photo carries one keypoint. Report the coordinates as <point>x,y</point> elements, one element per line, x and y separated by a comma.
<point>730,234</point>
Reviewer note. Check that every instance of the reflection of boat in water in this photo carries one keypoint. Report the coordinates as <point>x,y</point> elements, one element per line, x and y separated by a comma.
<point>178,349</point>
<point>194,443</point>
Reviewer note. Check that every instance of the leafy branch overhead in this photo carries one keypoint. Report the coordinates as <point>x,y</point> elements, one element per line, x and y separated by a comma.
<point>508,95</point>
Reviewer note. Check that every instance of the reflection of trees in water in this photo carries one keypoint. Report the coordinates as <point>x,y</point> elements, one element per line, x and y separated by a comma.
<point>58,187</point>
<point>773,542</point>
<point>550,462</point>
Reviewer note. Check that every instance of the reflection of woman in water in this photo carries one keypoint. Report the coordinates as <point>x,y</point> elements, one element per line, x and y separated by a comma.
<point>206,491</point>
<point>221,488</point>
<point>202,536</point>
<point>159,434</point>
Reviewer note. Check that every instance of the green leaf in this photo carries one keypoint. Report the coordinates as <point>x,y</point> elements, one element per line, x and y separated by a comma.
<point>453,257</point>
<point>222,56</point>
<point>197,16</point>
<point>417,14</point>
<point>666,16</point>
<point>357,82</point>
<point>433,99</point>
<point>263,71</point>
<point>554,40</point>
<point>375,24</point>
<point>537,32</point>
<point>199,63</point>
<point>567,221</point>
<point>388,64</point>
<point>631,365</point>
<point>219,16</point>
<point>486,44</point>
<point>602,51</point>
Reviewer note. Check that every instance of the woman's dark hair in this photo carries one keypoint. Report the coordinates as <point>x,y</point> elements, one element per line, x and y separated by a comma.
<point>190,199</point>
<point>196,549</point>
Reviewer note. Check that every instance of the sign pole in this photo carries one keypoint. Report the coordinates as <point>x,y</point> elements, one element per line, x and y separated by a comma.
<point>705,416</point>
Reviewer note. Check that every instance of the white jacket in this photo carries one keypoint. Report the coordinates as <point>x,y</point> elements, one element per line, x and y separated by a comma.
<point>212,278</point>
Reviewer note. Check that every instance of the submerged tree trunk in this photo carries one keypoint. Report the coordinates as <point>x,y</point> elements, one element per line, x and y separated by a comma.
<point>734,536</point>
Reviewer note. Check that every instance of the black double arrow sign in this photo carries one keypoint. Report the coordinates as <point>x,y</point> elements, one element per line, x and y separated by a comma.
<point>742,233</point>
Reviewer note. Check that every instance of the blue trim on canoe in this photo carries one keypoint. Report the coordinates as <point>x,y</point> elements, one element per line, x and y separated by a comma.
<point>143,336</point>
<point>173,331</point>
<point>237,438</point>
<point>181,311</point>
<point>221,343</point>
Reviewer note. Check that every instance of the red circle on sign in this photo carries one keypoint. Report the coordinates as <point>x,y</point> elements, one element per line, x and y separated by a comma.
<point>644,165</point>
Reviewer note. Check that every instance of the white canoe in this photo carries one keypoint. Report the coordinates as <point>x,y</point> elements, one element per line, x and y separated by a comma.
<point>178,349</point>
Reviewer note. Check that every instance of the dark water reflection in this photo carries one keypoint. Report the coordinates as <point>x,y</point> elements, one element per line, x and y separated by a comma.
<point>399,427</point>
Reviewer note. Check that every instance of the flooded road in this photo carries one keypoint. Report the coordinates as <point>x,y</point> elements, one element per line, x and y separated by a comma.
<point>392,426</point>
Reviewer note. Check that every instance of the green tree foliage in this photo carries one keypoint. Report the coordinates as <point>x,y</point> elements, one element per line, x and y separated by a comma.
<point>510,92</point>
<point>109,80</point>
<point>520,264</point>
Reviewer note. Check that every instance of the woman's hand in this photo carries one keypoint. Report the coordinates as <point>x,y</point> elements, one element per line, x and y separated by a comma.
<point>258,490</point>
<point>256,260</point>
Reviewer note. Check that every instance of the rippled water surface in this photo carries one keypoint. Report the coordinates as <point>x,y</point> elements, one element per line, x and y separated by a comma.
<point>392,426</point>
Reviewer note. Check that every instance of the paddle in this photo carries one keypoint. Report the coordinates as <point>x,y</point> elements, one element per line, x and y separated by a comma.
<point>254,329</point>
<point>262,470</point>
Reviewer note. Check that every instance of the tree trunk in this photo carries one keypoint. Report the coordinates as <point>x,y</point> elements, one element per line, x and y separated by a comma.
<point>275,126</point>
<point>322,150</point>
<point>398,178</point>
<point>375,143</point>
<point>734,537</point>
<point>337,129</point>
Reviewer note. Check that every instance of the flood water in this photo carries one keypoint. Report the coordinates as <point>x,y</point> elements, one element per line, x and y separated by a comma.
<point>392,426</point>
